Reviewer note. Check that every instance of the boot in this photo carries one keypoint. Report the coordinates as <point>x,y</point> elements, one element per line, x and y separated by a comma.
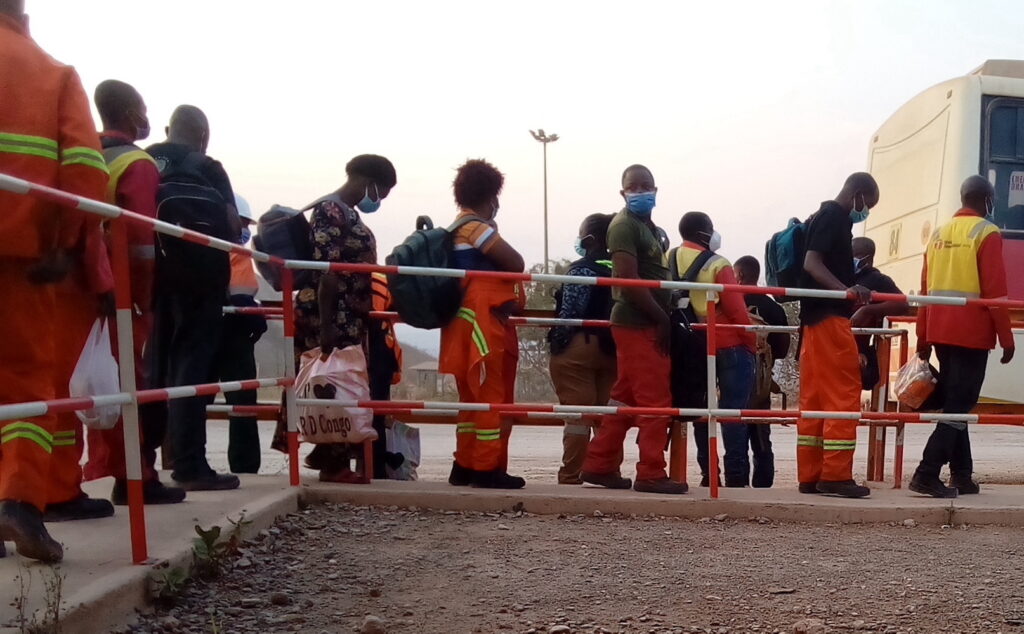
<point>497,479</point>
<point>81,508</point>
<point>211,481</point>
<point>937,452</point>
<point>153,492</point>
<point>661,485</point>
<point>961,465</point>
<point>574,452</point>
<point>460,476</point>
<point>606,480</point>
<point>22,524</point>
<point>844,488</point>
<point>705,481</point>
<point>808,488</point>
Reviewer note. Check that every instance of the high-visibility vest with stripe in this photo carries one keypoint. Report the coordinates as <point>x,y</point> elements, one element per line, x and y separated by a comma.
<point>119,158</point>
<point>953,257</point>
<point>382,302</point>
<point>707,275</point>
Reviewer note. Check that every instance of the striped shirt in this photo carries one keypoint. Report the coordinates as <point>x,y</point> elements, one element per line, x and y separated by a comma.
<point>472,242</point>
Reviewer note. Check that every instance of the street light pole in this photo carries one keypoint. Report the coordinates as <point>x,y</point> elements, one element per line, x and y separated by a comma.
<point>545,139</point>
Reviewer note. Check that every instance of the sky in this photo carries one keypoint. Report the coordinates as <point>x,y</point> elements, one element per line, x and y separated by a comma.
<point>750,111</point>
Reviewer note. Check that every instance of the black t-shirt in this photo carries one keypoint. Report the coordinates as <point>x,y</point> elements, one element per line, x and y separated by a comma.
<point>873,279</point>
<point>774,315</point>
<point>830,233</point>
<point>172,153</point>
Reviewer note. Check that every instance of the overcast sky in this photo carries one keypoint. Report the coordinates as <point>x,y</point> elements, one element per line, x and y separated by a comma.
<point>750,111</point>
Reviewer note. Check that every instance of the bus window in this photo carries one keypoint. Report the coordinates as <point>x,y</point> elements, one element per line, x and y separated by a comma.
<point>1003,161</point>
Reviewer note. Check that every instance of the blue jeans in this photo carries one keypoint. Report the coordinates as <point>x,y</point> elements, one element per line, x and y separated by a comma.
<point>735,385</point>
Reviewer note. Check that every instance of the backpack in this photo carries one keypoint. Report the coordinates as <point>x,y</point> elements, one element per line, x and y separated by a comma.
<point>763,362</point>
<point>187,199</point>
<point>426,301</point>
<point>784,257</point>
<point>599,307</point>
<point>285,233</point>
<point>689,351</point>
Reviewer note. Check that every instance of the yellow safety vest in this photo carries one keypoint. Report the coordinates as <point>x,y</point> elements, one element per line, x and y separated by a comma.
<point>707,275</point>
<point>953,257</point>
<point>119,158</point>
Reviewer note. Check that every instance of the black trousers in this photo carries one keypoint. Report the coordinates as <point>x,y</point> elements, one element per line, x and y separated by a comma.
<point>187,340</point>
<point>236,361</point>
<point>961,375</point>
<point>381,366</point>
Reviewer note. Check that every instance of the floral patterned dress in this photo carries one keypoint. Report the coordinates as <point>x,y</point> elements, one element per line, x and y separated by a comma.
<point>338,235</point>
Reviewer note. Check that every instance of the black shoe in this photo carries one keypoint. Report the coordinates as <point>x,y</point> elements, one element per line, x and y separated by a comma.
<point>843,488</point>
<point>460,476</point>
<point>931,486</point>
<point>736,483</point>
<point>606,480</point>
<point>661,485</point>
<point>497,479</point>
<point>212,481</point>
<point>3,549</point>
<point>322,458</point>
<point>706,482</point>
<point>81,508</point>
<point>22,524</point>
<point>153,492</point>
<point>810,488</point>
<point>965,485</point>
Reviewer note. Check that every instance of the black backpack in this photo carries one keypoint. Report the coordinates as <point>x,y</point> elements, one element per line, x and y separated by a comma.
<point>285,233</point>
<point>187,199</point>
<point>599,307</point>
<point>426,301</point>
<point>689,345</point>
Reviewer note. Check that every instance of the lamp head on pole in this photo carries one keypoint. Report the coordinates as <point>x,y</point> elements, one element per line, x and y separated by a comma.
<point>539,135</point>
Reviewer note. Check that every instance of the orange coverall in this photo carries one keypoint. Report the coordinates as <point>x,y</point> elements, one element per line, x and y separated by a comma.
<point>46,136</point>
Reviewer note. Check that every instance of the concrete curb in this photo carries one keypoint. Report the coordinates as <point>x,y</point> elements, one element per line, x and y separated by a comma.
<point>112,601</point>
<point>821,510</point>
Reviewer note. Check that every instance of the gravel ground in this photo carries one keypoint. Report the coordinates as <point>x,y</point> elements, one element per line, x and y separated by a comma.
<point>343,569</point>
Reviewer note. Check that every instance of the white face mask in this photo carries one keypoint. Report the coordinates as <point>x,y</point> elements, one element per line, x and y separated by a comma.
<point>714,240</point>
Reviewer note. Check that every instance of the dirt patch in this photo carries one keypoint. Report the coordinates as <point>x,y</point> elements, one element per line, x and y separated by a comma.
<point>328,568</point>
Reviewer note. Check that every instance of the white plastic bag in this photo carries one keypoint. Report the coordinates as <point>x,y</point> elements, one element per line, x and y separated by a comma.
<point>340,377</point>
<point>96,374</point>
<point>403,439</point>
<point>914,383</point>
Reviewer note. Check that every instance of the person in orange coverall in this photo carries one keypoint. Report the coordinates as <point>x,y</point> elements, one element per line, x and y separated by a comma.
<point>475,345</point>
<point>47,137</point>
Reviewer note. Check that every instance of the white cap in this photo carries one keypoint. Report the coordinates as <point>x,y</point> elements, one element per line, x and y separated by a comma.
<point>243,208</point>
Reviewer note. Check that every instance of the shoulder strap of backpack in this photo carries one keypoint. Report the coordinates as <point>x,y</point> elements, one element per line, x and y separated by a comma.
<point>698,264</point>
<point>463,221</point>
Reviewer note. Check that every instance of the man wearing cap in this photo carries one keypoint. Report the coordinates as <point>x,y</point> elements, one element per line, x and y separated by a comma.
<point>237,360</point>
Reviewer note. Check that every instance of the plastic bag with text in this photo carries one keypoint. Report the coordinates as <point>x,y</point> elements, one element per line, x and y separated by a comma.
<point>340,377</point>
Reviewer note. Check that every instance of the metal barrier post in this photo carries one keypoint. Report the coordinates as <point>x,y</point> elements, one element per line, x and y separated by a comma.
<point>290,411</point>
<point>712,399</point>
<point>897,467</point>
<point>126,368</point>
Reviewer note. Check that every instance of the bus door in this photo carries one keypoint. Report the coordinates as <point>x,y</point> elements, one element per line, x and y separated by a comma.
<point>1002,161</point>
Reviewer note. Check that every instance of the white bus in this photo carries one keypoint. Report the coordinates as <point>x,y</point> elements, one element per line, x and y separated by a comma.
<point>968,125</point>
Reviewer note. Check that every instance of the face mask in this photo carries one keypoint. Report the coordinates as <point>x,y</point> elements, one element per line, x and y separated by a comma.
<point>856,264</point>
<point>246,236</point>
<point>714,240</point>
<point>580,249</point>
<point>142,129</point>
<point>494,212</point>
<point>641,203</point>
<point>367,205</point>
<point>990,208</point>
<point>859,215</point>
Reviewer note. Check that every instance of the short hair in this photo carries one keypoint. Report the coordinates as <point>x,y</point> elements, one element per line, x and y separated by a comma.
<point>598,224</point>
<point>866,245</point>
<point>636,167</point>
<point>114,99</point>
<point>373,167</point>
<point>477,182</point>
<point>694,222</point>
<point>750,265</point>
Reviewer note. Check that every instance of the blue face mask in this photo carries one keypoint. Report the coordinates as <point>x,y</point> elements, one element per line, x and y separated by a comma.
<point>367,205</point>
<point>580,249</point>
<point>856,264</point>
<point>860,215</point>
<point>246,236</point>
<point>641,203</point>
